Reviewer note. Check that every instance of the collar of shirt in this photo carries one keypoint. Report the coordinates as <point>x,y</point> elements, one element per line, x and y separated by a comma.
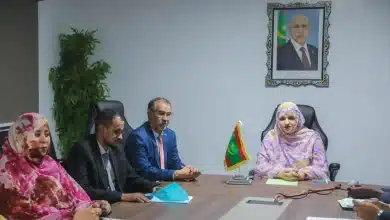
<point>298,46</point>
<point>101,148</point>
<point>157,134</point>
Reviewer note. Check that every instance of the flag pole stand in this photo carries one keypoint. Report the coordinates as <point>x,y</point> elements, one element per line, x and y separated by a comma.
<point>238,175</point>
<point>239,179</point>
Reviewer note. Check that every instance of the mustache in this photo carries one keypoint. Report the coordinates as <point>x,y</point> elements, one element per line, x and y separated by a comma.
<point>164,124</point>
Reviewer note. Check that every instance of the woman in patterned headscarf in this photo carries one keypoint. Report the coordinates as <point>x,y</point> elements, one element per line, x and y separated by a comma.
<point>32,184</point>
<point>291,151</point>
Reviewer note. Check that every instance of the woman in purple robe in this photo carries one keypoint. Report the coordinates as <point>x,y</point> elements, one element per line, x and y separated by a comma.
<point>291,151</point>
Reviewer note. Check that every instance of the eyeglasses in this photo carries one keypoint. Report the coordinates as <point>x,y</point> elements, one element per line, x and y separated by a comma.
<point>115,132</point>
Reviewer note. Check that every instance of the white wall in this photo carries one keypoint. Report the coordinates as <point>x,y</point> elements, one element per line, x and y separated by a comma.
<point>208,57</point>
<point>54,17</point>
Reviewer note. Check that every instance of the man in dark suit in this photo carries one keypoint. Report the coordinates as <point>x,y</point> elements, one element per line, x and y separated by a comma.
<point>100,166</point>
<point>152,148</point>
<point>297,54</point>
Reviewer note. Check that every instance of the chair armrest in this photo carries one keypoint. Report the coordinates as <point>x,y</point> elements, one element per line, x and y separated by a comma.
<point>333,170</point>
<point>251,173</point>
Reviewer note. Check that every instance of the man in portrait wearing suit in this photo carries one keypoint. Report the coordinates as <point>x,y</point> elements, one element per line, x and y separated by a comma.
<point>152,148</point>
<point>297,54</point>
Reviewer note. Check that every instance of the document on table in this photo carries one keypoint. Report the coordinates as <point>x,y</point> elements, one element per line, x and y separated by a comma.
<point>321,218</point>
<point>281,182</point>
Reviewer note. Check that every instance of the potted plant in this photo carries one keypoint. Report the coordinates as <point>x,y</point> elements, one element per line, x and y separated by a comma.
<point>76,84</point>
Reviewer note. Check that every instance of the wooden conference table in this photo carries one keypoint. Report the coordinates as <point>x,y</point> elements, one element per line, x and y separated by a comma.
<point>212,199</point>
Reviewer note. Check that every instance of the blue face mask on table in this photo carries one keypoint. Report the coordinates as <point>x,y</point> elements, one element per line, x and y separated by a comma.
<point>171,192</point>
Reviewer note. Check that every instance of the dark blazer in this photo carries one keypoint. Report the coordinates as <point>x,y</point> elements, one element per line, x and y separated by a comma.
<point>385,197</point>
<point>84,163</point>
<point>288,59</point>
<point>142,153</point>
<point>384,216</point>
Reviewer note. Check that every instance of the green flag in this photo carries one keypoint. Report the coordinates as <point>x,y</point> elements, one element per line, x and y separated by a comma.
<point>236,154</point>
<point>282,28</point>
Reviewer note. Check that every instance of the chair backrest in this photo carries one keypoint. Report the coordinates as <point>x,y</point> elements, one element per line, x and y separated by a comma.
<point>311,122</point>
<point>52,151</point>
<point>3,133</point>
<point>107,104</point>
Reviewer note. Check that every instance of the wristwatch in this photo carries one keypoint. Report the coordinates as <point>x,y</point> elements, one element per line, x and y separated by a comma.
<point>378,215</point>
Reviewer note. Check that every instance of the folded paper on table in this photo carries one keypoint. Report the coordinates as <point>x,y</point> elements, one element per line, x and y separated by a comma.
<point>172,193</point>
<point>157,200</point>
<point>347,202</point>
<point>281,182</point>
<point>320,182</point>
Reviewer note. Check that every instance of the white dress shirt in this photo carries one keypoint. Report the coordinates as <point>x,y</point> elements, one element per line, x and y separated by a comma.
<point>110,171</point>
<point>298,49</point>
<point>156,138</point>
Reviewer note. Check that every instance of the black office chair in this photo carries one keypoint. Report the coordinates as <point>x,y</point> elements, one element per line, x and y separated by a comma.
<point>52,151</point>
<point>311,122</point>
<point>3,134</point>
<point>107,104</point>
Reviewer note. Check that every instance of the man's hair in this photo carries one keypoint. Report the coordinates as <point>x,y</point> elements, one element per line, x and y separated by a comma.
<point>105,118</point>
<point>152,103</point>
<point>299,15</point>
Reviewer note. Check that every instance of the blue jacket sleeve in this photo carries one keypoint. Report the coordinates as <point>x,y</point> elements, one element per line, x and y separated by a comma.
<point>385,197</point>
<point>385,216</point>
<point>174,161</point>
<point>135,150</point>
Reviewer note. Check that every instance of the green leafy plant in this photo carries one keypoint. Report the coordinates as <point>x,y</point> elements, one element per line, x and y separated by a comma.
<point>76,84</point>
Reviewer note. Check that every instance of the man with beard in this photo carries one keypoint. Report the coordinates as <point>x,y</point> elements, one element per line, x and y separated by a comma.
<point>100,166</point>
<point>152,147</point>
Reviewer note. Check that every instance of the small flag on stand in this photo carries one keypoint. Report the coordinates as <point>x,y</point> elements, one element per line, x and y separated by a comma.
<point>236,154</point>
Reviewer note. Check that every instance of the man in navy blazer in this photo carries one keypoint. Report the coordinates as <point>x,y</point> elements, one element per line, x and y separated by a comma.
<point>152,149</point>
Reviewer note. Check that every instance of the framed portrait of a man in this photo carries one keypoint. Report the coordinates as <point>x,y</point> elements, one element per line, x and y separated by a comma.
<point>298,44</point>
